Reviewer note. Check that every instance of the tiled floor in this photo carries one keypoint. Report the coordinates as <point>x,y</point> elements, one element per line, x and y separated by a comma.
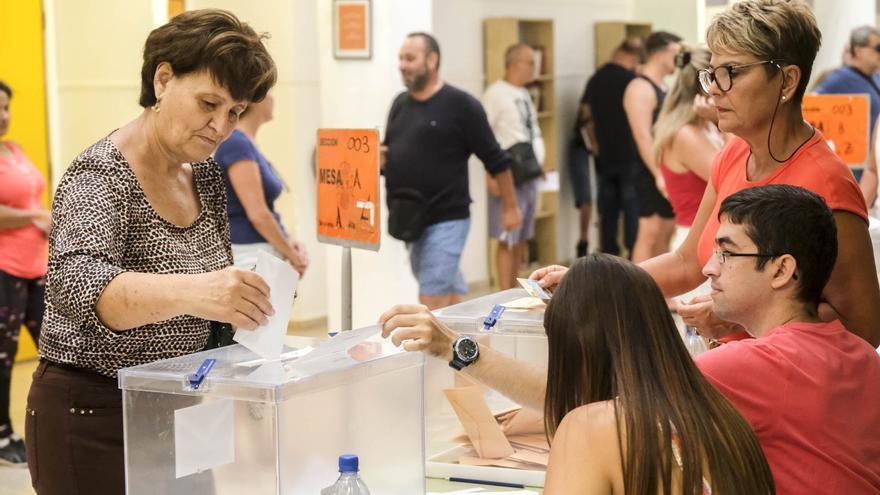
<point>17,481</point>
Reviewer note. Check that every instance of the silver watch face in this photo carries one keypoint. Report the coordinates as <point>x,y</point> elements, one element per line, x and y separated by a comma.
<point>467,349</point>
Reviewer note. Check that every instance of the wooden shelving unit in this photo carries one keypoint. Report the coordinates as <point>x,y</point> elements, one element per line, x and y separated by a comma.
<point>609,35</point>
<point>498,35</point>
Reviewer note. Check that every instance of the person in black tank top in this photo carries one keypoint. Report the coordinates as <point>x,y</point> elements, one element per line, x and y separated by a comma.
<point>644,93</point>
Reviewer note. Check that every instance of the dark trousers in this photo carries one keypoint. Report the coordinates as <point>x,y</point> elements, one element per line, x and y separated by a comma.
<point>616,194</point>
<point>74,432</point>
<point>21,303</point>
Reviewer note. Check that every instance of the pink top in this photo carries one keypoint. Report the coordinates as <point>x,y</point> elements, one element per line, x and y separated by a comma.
<point>685,193</point>
<point>22,250</point>
<point>811,392</point>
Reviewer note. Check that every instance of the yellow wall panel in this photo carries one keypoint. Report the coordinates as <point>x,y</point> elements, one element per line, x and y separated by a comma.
<point>22,67</point>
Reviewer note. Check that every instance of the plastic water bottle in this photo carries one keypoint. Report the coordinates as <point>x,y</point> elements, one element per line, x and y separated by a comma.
<point>349,482</point>
<point>694,343</point>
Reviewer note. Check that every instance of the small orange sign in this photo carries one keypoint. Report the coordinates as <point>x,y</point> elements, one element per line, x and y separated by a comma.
<point>844,121</point>
<point>348,187</point>
<point>352,26</point>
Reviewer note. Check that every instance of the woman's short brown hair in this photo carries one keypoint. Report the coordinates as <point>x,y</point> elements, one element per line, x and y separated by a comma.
<point>782,30</point>
<point>213,40</point>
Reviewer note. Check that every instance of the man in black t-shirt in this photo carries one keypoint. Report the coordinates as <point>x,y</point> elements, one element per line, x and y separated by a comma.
<point>433,128</point>
<point>613,146</point>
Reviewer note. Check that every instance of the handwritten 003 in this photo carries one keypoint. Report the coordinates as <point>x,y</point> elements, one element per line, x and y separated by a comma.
<point>361,144</point>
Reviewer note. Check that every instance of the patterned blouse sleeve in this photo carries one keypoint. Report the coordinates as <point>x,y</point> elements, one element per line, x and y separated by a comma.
<point>85,246</point>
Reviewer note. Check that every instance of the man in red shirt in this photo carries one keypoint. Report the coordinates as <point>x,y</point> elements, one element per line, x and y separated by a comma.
<point>809,389</point>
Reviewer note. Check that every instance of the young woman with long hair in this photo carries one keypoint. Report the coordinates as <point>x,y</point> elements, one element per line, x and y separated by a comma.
<point>626,407</point>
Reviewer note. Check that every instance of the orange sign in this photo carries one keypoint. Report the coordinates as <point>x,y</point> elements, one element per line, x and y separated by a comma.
<point>353,26</point>
<point>844,121</point>
<point>348,187</point>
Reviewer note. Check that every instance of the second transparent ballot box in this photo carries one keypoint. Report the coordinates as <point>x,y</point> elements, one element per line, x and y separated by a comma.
<point>519,333</point>
<point>276,427</point>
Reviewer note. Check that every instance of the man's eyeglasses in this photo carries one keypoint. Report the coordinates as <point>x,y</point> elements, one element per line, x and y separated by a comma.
<point>723,254</point>
<point>723,76</point>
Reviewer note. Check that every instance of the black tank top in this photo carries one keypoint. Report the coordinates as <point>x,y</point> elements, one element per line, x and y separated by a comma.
<point>661,96</point>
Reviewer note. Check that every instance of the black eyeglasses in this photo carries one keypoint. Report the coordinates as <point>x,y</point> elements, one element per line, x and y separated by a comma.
<point>723,254</point>
<point>723,76</point>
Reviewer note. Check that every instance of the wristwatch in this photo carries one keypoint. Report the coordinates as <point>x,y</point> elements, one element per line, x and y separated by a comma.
<point>465,351</point>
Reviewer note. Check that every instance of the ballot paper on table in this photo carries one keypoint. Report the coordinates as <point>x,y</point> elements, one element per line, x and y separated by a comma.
<point>268,340</point>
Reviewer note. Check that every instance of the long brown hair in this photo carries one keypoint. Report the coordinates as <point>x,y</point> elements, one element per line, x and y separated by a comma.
<point>611,336</point>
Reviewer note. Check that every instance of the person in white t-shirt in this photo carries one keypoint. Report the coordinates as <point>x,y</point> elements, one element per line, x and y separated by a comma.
<point>514,121</point>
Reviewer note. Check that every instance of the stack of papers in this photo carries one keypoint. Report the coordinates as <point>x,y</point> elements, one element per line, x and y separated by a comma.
<point>513,438</point>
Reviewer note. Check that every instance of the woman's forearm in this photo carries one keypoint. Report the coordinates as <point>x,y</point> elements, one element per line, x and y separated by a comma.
<point>673,274</point>
<point>14,218</point>
<point>133,299</point>
<point>266,225</point>
<point>524,383</point>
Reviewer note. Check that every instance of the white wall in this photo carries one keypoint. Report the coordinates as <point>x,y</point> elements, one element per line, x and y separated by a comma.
<point>682,17</point>
<point>458,25</point>
<point>836,18</point>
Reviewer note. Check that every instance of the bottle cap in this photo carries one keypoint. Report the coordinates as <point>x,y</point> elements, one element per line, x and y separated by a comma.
<point>348,463</point>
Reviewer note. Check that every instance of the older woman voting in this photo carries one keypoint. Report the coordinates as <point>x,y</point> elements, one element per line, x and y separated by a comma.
<point>139,253</point>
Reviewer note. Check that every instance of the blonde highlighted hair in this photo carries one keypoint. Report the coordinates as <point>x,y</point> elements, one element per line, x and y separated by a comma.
<point>781,30</point>
<point>678,108</point>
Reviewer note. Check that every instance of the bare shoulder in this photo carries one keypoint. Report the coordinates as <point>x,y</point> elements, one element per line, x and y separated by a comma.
<point>640,89</point>
<point>585,456</point>
<point>596,420</point>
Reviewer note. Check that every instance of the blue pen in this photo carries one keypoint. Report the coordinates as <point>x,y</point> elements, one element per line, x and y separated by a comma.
<point>487,482</point>
<point>196,380</point>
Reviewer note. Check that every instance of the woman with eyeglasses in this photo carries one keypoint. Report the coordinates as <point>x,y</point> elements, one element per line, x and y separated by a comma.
<point>762,56</point>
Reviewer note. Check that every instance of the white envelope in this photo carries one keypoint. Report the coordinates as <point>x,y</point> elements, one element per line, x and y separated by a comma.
<point>204,436</point>
<point>268,340</point>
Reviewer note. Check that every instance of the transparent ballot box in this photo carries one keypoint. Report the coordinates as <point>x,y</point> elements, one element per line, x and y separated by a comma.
<point>276,427</point>
<point>468,317</point>
<point>519,334</point>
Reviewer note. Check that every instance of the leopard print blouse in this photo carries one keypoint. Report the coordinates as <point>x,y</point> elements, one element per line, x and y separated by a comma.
<point>103,225</point>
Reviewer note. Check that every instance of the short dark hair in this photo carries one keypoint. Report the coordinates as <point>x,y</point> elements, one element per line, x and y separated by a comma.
<point>785,219</point>
<point>431,45</point>
<point>213,40</point>
<point>658,40</point>
<point>6,89</point>
<point>631,46</point>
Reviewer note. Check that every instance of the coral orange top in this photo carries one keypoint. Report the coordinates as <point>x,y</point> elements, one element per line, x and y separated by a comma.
<point>22,250</point>
<point>814,167</point>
